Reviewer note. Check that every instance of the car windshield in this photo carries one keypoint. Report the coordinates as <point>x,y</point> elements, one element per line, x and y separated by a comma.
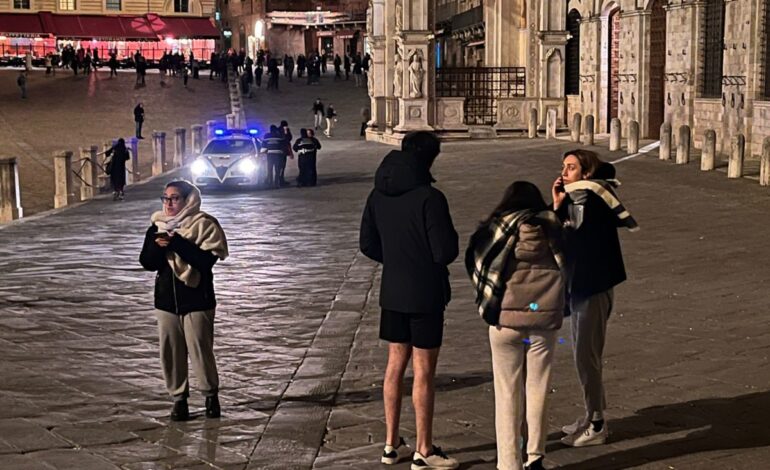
<point>229,146</point>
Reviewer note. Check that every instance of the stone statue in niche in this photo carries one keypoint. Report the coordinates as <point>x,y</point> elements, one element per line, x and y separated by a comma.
<point>370,19</point>
<point>399,17</point>
<point>398,74</point>
<point>370,81</point>
<point>416,74</point>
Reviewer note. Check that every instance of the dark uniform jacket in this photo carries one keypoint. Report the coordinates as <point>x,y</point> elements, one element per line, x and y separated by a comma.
<point>407,227</point>
<point>171,294</point>
<point>275,144</point>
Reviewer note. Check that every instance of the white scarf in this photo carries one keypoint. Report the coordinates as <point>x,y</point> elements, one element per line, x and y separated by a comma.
<point>196,226</point>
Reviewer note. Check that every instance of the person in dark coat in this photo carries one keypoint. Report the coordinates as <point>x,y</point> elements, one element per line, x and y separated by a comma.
<point>594,267</point>
<point>286,132</point>
<point>301,63</point>
<point>139,119</point>
<point>337,67</point>
<point>407,227</point>
<point>118,156</point>
<point>182,245</point>
<point>307,147</point>
<point>258,74</point>
<point>346,64</point>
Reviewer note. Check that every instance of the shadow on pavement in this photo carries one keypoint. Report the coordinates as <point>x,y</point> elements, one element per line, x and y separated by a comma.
<point>444,383</point>
<point>714,424</point>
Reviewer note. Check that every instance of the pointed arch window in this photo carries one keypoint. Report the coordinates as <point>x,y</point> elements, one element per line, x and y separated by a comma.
<point>572,63</point>
<point>714,48</point>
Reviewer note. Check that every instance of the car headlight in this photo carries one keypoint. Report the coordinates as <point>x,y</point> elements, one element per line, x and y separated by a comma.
<point>247,166</point>
<point>198,167</point>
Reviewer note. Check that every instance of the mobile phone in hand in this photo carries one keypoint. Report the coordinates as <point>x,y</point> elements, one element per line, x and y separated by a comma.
<point>560,186</point>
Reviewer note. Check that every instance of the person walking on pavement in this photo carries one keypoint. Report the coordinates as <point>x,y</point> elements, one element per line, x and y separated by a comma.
<point>337,67</point>
<point>182,245</point>
<point>318,113</point>
<point>113,63</point>
<point>584,199</point>
<point>21,81</point>
<point>307,147</point>
<point>274,145</point>
<point>258,74</point>
<point>346,62</point>
<point>139,119</point>
<point>286,132</point>
<point>116,168</point>
<point>407,227</point>
<point>331,118</point>
<point>515,263</point>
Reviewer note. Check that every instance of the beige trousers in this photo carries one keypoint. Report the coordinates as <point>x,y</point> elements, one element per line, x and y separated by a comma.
<point>589,332</point>
<point>180,335</point>
<point>522,374</point>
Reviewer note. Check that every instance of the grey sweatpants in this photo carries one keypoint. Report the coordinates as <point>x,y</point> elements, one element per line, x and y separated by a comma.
<point>522,373</point>
<point>180,335</point>
<point>589,331</point>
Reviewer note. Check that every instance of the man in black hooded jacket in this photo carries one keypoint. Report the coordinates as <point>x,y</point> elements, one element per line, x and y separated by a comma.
<point>407,227</point>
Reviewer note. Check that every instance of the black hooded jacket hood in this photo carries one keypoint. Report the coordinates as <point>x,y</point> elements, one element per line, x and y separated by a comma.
<point>399,173</point>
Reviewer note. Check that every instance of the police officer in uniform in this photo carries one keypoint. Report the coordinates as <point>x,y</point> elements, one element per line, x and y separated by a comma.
<point>306,147</point>
<point>274,144</point>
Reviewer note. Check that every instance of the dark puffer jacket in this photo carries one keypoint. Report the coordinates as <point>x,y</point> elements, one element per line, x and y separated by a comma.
<point>407,227</point>
<point>171,294</point>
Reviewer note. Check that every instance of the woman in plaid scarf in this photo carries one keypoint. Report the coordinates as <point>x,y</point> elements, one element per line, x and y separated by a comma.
<point>515,264</point>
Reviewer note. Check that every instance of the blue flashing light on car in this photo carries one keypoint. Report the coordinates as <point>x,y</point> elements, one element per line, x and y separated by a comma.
<point>219,132</point>
<point>253,131</point>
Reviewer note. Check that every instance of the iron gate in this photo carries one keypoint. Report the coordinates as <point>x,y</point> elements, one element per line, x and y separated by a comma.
<point>481,87</point>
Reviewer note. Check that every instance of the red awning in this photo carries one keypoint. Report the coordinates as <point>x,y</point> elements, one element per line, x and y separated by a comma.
<point>21,23</point>
<point>180,27</point>
<point>137,27</point>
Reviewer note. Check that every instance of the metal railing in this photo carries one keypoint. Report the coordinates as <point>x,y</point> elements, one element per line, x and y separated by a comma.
<point>481,87</point>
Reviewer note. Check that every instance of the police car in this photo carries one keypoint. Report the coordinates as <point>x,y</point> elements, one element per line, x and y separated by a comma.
<point>231,158</point>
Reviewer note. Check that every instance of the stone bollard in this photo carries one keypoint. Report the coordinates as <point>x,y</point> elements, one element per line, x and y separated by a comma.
<point>231,121</point>
<point>577,121</point>
<point>211,126</point>
<point>614,134</point>
<point>180,146</point>
<point>159,152</point>
<point>633,137</point>
<point>764,165</point>
<point>709,154</point>
<point>133,175</point>
<point>665,141</point>
<point>550,124</point>
<point>735,165</point>
<point>533,123</point>
<point>62,170</point>
<point>589,131</point>
<point>10,198</point>
<point>683,145</point>
<point>197,139</point>
<point>90,184</point>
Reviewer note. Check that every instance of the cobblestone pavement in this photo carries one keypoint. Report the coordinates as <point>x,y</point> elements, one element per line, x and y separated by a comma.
<point>296,340</point>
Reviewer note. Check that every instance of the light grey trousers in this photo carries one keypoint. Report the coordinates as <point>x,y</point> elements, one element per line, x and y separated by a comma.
<point>522,375</point>
<point>589,332</point>
<point>182,335</point>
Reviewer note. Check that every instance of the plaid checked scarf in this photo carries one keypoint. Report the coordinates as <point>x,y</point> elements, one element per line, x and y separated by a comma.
<point>604,189</point>
<point>487,256</point>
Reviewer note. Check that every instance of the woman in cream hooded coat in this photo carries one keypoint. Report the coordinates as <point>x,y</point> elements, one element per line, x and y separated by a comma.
<point>182,245</point>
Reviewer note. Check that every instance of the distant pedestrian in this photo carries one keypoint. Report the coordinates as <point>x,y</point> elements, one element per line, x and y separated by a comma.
<point>28,61</point>
<point>185,74</point>
<point>48,64</point>
<point>139,119</point>
<point>318,113</point>
<point>584,199</point>
<point>286,133</point>
<point>113,63</point>
<point>366,116</point>
<point>21,81</point>
<point>407,227</point>
<point>358,70</point>
<point>258,74</point>
<point>337,67</point>
<point>307,147</point>
<point>331,118</point>
<point>182,245</point>
<point>116,167</point>
<point>516,266</point>
<point>347,66</point>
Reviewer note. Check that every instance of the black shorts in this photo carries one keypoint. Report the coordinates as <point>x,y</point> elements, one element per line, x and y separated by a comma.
<point>421,330</point>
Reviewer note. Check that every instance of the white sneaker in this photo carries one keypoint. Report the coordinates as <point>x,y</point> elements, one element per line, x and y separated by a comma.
<point>393,455</point>
<point>574,427</point>
<point>437,459</point>
<point>587,437</point>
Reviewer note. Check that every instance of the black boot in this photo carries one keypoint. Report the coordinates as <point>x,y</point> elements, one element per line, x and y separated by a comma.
<point>212,407</point>
<point>180,412</point>
<point>536,465</point>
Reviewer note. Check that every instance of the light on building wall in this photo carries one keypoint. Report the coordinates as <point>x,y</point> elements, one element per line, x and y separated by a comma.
<point>227,33</point>
<point>169,40</point>
<point>259,29</point>
<point>218,16</point>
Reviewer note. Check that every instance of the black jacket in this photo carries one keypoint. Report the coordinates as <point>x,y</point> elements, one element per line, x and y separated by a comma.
<point>594,259</point>
<point>171,294</point>
<point>139,114</point>
<point>407,227</point>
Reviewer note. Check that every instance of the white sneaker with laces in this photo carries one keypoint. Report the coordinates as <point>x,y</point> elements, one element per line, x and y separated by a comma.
<point>587,437</point>
<point>437,459</point>
<point>574,427</point>
<point>393,455</point>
